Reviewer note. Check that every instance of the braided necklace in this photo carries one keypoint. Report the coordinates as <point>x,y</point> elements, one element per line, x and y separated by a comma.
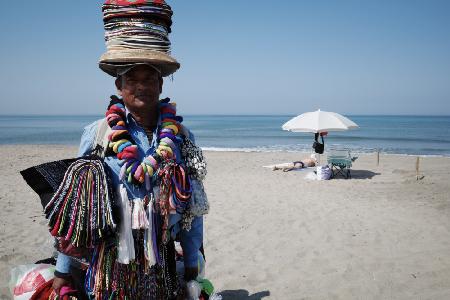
<point>175,186</point>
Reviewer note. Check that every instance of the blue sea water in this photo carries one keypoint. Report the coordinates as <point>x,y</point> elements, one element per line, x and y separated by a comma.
<point>415,135</point>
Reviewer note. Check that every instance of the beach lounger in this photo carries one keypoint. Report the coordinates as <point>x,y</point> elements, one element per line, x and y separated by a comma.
<point>340,162</point>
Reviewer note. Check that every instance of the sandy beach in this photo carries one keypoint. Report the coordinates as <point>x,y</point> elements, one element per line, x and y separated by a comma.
<point>277,235</point>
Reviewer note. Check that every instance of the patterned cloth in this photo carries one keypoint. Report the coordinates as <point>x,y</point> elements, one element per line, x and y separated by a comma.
<point>135,2</point>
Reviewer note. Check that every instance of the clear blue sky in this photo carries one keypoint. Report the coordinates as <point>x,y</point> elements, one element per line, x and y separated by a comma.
<point>240,57</point>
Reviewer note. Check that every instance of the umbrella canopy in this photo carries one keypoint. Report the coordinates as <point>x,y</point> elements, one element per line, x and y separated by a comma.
<point>319,121</point>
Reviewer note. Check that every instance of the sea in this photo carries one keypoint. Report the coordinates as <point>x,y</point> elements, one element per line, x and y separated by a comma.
<point>410,135</point>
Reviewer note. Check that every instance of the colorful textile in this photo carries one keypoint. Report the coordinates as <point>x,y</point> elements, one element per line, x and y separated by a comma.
<point>175,185</point>
<point>137,25</point>
<point>43,292</point>
<point>142,278</point>
<point>108,279</point>
<point>81,209</point>
<point>194,236</point>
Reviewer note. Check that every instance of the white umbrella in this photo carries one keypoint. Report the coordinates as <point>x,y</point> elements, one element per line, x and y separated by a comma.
<point>319,121</point>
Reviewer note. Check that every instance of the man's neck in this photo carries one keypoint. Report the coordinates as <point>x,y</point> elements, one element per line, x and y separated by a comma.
<point>147,122</point>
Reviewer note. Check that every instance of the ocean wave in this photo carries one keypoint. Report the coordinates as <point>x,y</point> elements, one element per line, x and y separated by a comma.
<point>334,138</point>
<point>355,150</point>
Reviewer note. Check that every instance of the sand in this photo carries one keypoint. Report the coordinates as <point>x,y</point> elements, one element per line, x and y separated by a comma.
<point>275,235</point>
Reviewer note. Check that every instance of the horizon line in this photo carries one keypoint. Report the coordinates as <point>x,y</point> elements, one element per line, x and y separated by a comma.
<point>230,115</point>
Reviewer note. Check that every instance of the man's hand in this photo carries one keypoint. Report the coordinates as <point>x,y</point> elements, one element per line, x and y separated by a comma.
<point>58,283</point>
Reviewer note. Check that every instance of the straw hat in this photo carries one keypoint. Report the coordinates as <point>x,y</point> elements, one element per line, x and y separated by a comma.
<point>112,60</point>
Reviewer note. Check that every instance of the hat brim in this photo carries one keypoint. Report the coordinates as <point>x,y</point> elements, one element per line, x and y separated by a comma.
<point>112,60</point>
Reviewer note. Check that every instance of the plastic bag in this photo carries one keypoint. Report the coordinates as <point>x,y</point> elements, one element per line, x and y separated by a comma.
<point>26,279</point>
<point>323,172</point>
<point>200,288</point>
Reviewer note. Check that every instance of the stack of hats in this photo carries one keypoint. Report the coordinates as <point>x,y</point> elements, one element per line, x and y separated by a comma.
<point>137,31</point>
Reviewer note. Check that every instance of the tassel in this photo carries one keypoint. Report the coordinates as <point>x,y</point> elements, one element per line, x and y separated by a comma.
<point>139,219</point>
<point>123,169</point>
<point>126,251</point>
<point>148,237</point>
<point>81,209</point>
<point>99,280</point>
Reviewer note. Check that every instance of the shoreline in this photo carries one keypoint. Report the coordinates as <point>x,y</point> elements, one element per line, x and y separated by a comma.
<point>250,150</point>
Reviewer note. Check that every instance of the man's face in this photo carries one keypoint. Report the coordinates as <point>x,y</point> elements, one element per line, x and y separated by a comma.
<point>140,88</point>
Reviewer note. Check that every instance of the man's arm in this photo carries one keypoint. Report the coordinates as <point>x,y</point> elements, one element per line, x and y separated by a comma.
<point>62,272</point>
<point>87,139</point>
<point>191,241</point>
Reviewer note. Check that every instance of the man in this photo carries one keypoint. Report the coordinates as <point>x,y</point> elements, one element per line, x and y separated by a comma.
<point>148,139</point>
<point>140,86</point>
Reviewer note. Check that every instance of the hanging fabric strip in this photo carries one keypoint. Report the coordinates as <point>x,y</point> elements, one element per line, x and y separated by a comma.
<point>148,236</point>
<point>139,220</point>
<point>126,251</point>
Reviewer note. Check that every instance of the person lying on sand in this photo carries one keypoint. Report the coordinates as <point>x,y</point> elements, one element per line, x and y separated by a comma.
<point>304,163</point>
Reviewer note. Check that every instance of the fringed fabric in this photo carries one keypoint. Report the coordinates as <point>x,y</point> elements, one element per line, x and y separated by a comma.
<point>81,209</point>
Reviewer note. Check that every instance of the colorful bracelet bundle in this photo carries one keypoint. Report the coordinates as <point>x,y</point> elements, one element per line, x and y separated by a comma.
<point>100,280</point>
<point>108,279</point>
<point>81,209</point>
<point>174,193</point>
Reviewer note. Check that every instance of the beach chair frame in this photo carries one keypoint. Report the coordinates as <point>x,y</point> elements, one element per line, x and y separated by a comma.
<point>340,162</point>
<point>339,169</point>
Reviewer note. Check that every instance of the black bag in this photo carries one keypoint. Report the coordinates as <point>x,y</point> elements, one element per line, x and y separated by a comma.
<point>46,178</point>
<point>318,147</point>
<point>74,192</point>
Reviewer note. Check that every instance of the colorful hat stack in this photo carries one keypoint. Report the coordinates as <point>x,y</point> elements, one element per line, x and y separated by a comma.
<point>137,31</point>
